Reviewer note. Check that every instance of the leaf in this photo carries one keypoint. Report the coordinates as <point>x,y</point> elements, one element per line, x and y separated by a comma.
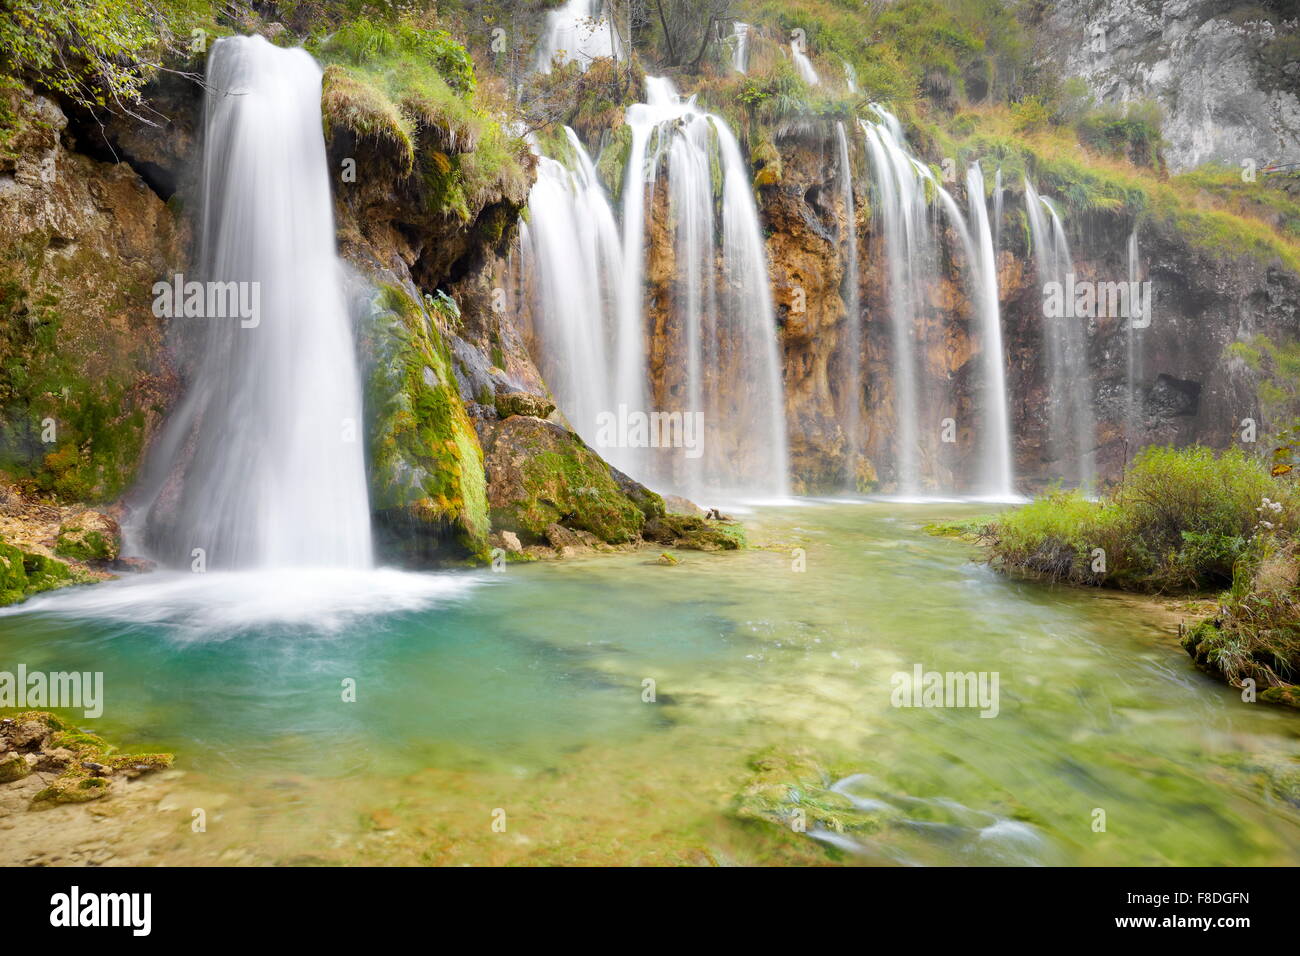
<point>1279,470</point>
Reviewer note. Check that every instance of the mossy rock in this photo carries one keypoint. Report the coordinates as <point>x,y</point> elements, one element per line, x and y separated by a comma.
<point>90,536</point>
<point>24,573</point>
<point>540,474</point>
<point>699,534</point>
<point>13,767</point>
<point>428,488</point>
<point>90,763</point>
<point>523,403</point>
<point>1287,695</point>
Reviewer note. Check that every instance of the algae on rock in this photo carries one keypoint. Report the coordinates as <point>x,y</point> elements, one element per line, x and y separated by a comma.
<point>427,483</point>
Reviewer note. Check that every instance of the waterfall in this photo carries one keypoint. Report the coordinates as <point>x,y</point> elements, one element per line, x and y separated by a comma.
<point>804,64</point>
<point>740,48</point>
<point>755,400</point>
<point>852,348</point>
<point>721,360</point>
<point>1072,436</point>
<point>850,77</point>
<point>999,192</point>
<point>997,477</point>
<point>261,465</point>
<point>574,256</point>
<point>1135,356</point>
<point>900,203</point>
<point>577,31</point>
<point>903,185</point>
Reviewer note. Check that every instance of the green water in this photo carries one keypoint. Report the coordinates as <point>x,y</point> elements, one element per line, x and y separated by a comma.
<point>528,686</point>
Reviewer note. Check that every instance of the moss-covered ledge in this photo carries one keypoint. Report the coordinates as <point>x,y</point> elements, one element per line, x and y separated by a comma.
<point>76,767</point>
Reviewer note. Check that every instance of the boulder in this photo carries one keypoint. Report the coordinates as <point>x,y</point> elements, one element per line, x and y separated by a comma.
<point>523,403</point>
<point>540,475</point>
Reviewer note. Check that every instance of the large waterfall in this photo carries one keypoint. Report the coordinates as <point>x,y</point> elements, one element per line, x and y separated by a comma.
<point>720,364</point>
<point>1072,435</point>
<point>261,466</point>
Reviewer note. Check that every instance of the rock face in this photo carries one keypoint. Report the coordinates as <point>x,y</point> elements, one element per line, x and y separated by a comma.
<point>84,377</point>
<point>1220,71</point>
<point>1190,388</point>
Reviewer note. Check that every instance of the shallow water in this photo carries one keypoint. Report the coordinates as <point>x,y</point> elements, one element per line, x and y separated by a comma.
<point>522,692</point>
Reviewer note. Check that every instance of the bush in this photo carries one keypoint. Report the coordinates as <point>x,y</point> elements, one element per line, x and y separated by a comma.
<point>98,53</point>
<point>1180,520</point>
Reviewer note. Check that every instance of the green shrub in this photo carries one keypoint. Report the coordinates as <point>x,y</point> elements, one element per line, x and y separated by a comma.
<point>98,53</point>
<point>1180,520</point>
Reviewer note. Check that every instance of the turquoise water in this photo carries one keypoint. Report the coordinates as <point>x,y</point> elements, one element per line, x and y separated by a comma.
<point>532,681</point>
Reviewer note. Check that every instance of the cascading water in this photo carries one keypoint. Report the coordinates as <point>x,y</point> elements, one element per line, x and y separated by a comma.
<point>262,464</point>
<point>1072,436</point>
<point>804,64</point>
<point>999,193</point>
<point>740,46</point>
<point>578,31</point>
<point>850,77</point>
<point>574,256</point>
<point>722,361</point>
<point>753,402</point>
<point>902,184</point>
<point>1135,357</point>
<point>900,203</point>
<point>852,348</point>
<point>997,478</point>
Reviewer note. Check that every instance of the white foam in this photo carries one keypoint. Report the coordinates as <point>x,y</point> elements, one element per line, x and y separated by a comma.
<point>316,599</point>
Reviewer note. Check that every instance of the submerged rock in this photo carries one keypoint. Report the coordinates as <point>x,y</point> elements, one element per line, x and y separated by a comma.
<point>699,534</point>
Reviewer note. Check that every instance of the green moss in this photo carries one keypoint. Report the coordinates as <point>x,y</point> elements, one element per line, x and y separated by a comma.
<point>73,410</point>
<point>788,794</point>
<point>13,767</point>
<point>23,574</point>
<point>426,465</point>
<point>414,90</point>
<point>85,545</point>
<point>574,487</point>
<point>349,101</point>
<point>966,529</point>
